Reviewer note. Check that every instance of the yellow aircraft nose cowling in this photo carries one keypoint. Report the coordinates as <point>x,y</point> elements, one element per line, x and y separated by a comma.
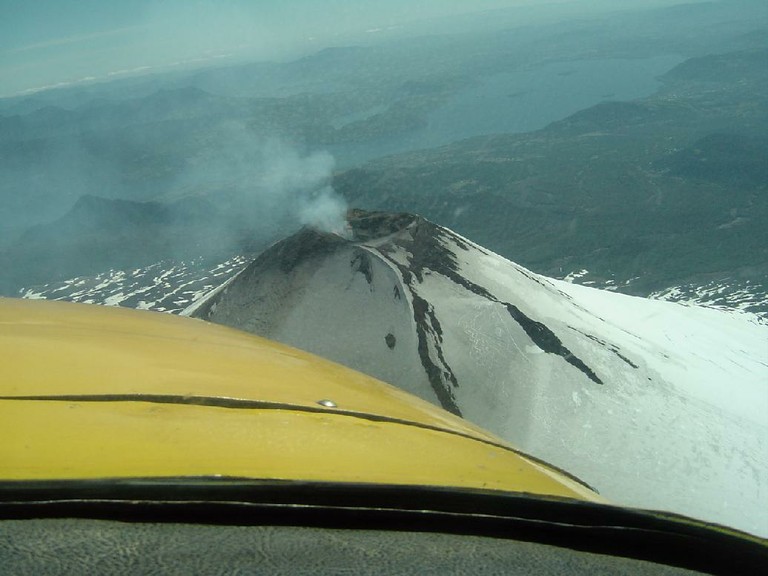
<point>89,392</point>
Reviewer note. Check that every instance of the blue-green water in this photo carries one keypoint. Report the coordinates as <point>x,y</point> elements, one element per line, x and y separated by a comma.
<point>530,99</point>
<point>525,100</point>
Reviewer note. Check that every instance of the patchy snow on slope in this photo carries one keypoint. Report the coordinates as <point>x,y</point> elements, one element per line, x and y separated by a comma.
<point>164,286</point>
<point>575,275</point>
<point>706,353</point>
<point>729,294</point>
<point>682,416</point>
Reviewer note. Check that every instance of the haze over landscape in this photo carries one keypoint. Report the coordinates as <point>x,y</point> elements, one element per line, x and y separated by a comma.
<point>151,151</point>
<point>50,43</point>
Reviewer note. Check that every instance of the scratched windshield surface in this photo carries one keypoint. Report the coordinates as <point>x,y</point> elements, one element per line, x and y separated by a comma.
<point>550,219</point>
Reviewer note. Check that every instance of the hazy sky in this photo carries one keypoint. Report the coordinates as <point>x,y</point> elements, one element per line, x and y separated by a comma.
<point>50,42</point>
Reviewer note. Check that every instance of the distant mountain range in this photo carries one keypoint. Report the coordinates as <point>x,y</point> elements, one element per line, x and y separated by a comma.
<point>648,196</point>
<point>665,195</point>
<point>671,190</point>
<point>140,138</point>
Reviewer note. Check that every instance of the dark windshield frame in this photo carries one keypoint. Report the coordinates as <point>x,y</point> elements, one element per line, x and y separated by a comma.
<point>585,526</point>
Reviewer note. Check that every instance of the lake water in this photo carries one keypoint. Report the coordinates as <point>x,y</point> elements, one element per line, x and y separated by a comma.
<point>523,101</point>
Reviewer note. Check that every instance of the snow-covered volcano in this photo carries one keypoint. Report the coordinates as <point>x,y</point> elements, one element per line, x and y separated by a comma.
<point>655,404</point>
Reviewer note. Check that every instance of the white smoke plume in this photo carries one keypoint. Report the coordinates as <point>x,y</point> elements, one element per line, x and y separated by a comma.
<point>325,211</point>
<point>274,185</point>
<point>303,183</point>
